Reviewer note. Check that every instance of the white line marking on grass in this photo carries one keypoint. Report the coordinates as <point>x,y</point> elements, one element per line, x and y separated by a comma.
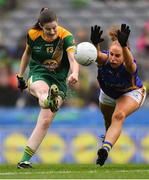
<point>47,172</point>
<point>76,172</point>
<point>131,170</point>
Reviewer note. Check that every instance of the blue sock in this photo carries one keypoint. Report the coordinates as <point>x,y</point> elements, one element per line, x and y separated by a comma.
<point>107,145</point>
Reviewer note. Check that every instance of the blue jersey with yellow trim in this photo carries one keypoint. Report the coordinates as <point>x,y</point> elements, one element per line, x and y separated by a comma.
<point>116,81</point>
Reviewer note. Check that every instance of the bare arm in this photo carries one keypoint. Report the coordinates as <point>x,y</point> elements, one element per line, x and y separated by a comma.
<point>24,60</point>
<point>96,39</point>
<point>129,60</point>
<point>74,68</point>
<point>122,36</point>
<point>101,57</point>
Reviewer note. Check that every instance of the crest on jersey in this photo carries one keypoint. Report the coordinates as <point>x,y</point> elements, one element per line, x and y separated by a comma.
<point>54,63</point>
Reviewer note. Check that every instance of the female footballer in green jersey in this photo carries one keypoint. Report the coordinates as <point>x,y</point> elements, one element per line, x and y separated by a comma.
<point>50,54</point>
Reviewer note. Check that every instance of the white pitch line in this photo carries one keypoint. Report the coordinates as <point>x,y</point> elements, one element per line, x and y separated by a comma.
<point>47,172</point>
<point>133,170</point>
<point>76,172</point>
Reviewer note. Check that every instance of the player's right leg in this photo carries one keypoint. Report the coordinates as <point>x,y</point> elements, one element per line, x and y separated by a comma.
<point>107,106</point>
<point>107,112</point>
<point>102,153</point>
<point>39,89</point>
<point>44,120</point>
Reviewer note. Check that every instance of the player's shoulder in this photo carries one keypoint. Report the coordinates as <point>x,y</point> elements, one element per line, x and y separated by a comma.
<point>105,52</point>
<point>62,32</point>
<point>34,33</point>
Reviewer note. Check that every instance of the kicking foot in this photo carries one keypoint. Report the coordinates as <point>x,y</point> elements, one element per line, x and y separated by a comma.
<point>24,165</point>
<point>52,98</point>
<point>102,156</point>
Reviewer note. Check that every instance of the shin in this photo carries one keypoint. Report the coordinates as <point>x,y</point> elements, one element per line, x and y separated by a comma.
<point>44,120</point>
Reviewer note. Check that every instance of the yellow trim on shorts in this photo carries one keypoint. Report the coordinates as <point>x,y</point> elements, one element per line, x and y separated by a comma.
<point>29,82</point>
<point>142,94</point>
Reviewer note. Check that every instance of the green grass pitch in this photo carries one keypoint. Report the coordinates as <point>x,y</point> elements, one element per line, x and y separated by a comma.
<point>76,171</point>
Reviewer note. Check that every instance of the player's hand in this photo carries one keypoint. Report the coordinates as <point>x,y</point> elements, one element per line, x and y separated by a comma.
<point>123,35</point>
<point>21,83</point>
<point>96,35</point>
<point>72,79</point>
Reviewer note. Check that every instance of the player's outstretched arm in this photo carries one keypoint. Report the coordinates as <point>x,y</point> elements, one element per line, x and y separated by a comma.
<point>123,36</point>
<point>96,39</point>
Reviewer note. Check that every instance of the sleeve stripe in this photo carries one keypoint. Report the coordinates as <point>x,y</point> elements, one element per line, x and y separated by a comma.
<point>71,48</point>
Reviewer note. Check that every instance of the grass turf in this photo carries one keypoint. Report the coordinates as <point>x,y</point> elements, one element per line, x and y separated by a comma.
<point>74,171</point>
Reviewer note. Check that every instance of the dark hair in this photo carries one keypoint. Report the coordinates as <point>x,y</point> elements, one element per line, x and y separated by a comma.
<point>46,15</point>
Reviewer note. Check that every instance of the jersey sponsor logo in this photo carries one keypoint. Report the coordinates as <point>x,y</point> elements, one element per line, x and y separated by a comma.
<point>37,48</point>
<point>48,45</point>
<point>54,62</point>
<point>50,64</point>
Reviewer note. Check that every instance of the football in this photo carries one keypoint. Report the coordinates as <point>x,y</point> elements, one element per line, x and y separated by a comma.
<point>85,53</point>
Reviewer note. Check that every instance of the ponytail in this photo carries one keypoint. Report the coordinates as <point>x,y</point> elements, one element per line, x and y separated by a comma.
<point>46,15</point>
<point>113,32</point>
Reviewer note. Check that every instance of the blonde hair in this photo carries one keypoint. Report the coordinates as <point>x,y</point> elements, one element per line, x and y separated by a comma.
<point>113,32</point>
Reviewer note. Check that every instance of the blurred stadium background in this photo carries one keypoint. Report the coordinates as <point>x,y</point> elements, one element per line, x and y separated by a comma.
<point>74,135</point>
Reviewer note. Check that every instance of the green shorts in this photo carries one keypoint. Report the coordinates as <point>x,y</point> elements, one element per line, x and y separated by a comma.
<point>61,84</point>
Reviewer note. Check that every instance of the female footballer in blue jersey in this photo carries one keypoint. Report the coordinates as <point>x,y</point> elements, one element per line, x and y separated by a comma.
<point>50,54</point>
<point>121,89</point>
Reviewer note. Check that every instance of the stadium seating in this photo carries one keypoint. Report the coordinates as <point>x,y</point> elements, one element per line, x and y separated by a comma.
<point>95,12</point>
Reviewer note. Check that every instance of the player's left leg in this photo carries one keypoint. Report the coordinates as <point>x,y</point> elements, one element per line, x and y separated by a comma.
<point>53,98</point>
<point>126,105</point>
<point>47,95</point>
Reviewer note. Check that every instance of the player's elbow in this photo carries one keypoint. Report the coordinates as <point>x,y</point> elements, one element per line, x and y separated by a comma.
<point>131,68</point>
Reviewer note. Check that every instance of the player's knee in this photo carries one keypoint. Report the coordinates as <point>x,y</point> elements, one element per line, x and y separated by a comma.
<point>118,116</point>
<point>42,98</point>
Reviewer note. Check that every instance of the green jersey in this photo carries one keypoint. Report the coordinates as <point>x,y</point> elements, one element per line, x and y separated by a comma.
<point>49,60</point>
